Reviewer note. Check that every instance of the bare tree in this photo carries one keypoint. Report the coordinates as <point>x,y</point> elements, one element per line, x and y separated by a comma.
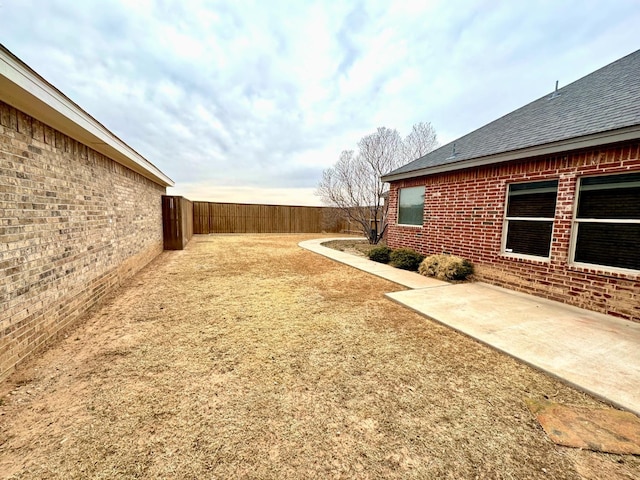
<point>345,186</point>
<point>420,141</point>
<point>353,184</point>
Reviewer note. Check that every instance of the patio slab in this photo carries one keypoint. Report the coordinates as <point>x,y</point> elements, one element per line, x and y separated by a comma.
<point>596,353</point>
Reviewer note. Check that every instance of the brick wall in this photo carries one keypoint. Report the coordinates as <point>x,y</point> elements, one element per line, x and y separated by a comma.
<point>73,225</point>
<point>464,214</point>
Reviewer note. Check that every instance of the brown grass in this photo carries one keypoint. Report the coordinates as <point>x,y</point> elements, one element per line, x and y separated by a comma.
<point>248,357</point>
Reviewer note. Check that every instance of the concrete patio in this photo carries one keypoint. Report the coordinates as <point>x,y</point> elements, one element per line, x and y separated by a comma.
<point>596,353</point>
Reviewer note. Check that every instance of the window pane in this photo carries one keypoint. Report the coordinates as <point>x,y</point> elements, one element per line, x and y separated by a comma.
<point>610,244</point>
<point>620,180</point>
<point>611,196</point>
<point>529,238</point>
<point>411,206</point>
<point>535,200</point>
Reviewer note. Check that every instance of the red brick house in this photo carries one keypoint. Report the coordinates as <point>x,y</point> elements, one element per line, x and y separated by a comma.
<point>545,200</point>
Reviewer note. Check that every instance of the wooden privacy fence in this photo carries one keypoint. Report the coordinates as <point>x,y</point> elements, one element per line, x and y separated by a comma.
<point>182,218</point>
<point>214,217</point>
<point>177,222</point>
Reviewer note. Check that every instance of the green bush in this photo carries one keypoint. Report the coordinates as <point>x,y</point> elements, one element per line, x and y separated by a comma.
<point>446,267</point>
<point>379,254</point>
<point>406,259</point>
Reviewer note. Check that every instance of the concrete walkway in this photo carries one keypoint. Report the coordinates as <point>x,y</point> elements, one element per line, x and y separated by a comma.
<point>596,353</point>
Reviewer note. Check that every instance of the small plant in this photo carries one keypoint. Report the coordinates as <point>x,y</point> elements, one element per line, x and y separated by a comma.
<point>380,254</point>
<point>446,267</point>
<point>406,259</point>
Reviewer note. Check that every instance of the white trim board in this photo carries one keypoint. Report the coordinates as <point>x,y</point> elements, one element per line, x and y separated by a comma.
<point>25,90</point>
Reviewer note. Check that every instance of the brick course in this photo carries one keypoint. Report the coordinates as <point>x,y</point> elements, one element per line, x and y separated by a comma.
<point>74,225</point>
<point>464,215</point>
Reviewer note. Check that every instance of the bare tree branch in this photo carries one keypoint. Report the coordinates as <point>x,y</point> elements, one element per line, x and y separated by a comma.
<point>420,141</point>
<point>353,184</point>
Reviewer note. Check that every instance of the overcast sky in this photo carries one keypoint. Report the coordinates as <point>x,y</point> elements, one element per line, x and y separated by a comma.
<point>251,101</point>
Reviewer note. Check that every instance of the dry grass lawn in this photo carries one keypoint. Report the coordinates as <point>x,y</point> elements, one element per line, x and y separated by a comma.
<point>248,357</point>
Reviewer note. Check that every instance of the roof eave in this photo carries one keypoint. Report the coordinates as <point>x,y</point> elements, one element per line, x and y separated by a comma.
<point>575,143</point>
<point>25,90</point>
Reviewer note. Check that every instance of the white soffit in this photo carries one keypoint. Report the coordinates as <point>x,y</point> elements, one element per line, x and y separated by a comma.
<point>25,90</point>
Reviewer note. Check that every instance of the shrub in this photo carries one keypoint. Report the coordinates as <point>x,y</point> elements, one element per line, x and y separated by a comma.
<point>406,259</point>
<point>446,267</point>
<point>379,254</point>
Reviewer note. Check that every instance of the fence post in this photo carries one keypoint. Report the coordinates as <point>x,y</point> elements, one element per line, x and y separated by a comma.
<point>177,222</point>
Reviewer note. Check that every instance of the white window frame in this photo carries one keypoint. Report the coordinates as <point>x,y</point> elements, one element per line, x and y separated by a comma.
<point>575,223</point>
<point>506,220</point>
<point>411,225</point>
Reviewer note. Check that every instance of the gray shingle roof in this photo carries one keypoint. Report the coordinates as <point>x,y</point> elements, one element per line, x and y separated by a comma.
<point>605,100</point>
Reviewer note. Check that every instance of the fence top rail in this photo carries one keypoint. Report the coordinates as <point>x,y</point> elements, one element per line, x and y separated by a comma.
<point>262,204</point>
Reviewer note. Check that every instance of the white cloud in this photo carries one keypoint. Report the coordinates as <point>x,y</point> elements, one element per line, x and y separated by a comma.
<point>253,99</point>
<point>207,192</point>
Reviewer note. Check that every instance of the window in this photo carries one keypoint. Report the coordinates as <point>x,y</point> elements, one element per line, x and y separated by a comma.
<point>529,218</point>
<point>606,228</point>
<point>411,206</point>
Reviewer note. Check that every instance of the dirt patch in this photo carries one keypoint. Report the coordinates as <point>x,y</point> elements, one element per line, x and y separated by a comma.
<point>355,247</point>
<point>248,357</point>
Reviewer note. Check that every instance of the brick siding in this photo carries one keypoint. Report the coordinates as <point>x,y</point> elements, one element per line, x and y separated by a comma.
<point>74,225</point>
<point>464,215</point>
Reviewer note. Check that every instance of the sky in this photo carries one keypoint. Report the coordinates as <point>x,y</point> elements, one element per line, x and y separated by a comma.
<point>249,101</point>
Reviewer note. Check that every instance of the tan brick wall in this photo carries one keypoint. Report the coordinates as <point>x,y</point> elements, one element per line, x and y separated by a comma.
<point>74,225</point>
<point>464,213</point>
